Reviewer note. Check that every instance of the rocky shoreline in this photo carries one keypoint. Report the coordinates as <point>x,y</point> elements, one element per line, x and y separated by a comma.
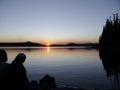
<point>48,83</point>
<point>35,86</point>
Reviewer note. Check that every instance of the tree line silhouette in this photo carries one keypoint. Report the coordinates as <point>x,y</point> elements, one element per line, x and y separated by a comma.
<point>110,36</point>
<point>109,50</point>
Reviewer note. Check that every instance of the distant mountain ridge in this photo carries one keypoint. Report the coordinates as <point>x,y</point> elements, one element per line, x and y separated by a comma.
<point>19,44</point>
<point>32,44</point>
<point>92,45</point>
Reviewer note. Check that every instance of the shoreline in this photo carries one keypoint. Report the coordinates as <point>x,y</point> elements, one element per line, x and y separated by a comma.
<point>34,85</point>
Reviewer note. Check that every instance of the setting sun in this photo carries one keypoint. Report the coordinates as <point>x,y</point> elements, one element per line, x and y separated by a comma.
<point>48,44</point>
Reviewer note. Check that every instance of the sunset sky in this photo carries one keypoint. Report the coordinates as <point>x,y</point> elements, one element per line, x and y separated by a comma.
<point>54,21</point>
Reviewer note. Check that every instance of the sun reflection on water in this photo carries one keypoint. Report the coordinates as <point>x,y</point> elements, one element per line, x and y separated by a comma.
<point>48,49</point>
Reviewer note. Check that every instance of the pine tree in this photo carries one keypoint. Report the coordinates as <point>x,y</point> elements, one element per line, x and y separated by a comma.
<point>111,33</point>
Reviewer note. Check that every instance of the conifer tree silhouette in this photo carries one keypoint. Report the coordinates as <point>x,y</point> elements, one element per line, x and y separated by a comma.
<point>110,36</point>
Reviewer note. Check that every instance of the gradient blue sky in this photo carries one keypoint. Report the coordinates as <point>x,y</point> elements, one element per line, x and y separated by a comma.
<point>54,21</point>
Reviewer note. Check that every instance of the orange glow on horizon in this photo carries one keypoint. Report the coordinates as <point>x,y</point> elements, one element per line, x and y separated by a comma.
<point>52,41</point>
<point>48,44</point>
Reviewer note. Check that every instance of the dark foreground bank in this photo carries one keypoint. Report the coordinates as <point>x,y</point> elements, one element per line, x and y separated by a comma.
<point>36,87</point>
<point>48,83</point>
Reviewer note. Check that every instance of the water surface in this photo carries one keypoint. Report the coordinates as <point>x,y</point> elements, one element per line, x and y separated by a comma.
<point>74,67</point>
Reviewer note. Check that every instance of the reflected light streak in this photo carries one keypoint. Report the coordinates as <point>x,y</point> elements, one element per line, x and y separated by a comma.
<point>48,49</point>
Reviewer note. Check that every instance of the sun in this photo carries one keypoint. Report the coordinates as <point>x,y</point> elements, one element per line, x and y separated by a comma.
<point>48,44</point>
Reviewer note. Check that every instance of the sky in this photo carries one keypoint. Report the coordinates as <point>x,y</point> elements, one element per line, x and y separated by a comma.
<point>54,21</point>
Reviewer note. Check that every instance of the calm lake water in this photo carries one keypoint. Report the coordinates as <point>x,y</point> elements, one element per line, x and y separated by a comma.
<point>74,67</point>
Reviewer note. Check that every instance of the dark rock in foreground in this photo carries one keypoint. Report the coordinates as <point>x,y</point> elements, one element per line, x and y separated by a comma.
<point>48,83</point>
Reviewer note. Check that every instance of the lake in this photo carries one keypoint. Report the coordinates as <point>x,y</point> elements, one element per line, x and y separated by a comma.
<point>72,67</point>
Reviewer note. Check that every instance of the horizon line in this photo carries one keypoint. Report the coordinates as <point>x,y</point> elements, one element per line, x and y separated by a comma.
<point>50,44</point>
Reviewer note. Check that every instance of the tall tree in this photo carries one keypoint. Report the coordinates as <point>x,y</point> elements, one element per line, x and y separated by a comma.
<point>111,32</point>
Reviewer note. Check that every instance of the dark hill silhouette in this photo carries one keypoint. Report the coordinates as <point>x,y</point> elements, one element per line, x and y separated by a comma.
<point>20,44</point>
<point>83,44</point>
<point>90,45</point>
<point>31,44</point>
